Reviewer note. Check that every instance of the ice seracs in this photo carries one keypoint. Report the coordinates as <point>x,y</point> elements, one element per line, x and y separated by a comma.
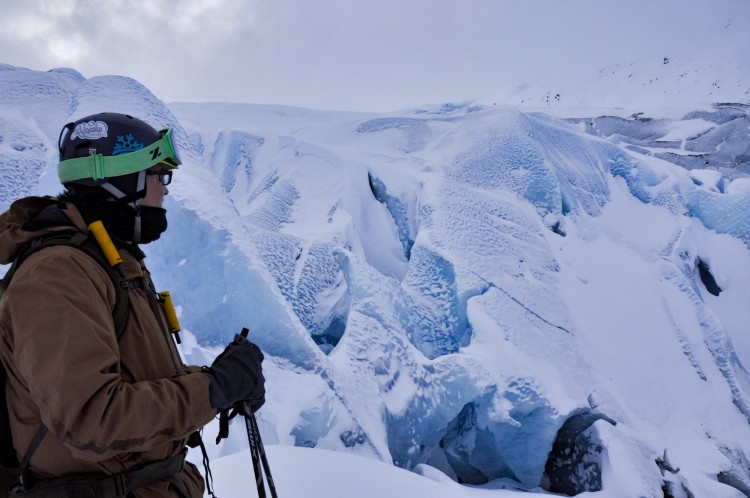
<point>474,288</point>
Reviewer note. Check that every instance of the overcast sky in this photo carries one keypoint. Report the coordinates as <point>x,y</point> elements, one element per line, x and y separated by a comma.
<point>353,54</point>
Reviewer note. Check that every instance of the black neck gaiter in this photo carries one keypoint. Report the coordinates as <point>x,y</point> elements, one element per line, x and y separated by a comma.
<point>119,220</point>
<point>153,223</point>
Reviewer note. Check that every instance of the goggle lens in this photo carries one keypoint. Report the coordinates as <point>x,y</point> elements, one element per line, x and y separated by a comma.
<point>168,134</point>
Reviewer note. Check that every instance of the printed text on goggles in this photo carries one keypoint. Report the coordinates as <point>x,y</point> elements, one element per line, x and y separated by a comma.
<point>98,166</point>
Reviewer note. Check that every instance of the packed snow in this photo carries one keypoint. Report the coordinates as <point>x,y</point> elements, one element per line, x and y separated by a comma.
<point>506,299</point>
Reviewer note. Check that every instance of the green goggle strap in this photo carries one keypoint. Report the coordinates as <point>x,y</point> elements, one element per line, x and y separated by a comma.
<point>98,166</point>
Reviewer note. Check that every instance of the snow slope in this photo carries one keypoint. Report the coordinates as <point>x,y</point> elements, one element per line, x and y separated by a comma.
<point>303,472</point>
<point>505,297</point>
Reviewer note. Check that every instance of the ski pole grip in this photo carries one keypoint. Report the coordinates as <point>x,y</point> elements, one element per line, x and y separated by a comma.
<point>102,238</point>
<point>245,332</point>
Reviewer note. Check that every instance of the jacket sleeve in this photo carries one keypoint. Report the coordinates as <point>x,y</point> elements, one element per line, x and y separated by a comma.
<point>68,356</point>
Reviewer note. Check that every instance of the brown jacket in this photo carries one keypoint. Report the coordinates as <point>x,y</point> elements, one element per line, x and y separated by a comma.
<point>110,406</point>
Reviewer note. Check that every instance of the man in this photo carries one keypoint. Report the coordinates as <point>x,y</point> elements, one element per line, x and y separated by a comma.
<point>93,410</point>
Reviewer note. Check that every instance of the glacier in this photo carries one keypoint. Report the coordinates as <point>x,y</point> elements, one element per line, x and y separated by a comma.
<point>512,298</point>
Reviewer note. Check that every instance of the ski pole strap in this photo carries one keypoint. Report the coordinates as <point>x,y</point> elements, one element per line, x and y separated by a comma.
<point>225,416</point>
<point>207,469</point>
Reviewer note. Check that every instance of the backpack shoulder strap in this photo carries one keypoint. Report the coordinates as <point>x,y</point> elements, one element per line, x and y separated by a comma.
<point>84,243</point>
<point>121,309</point>
<point>8,458</point>
<point>120,313</point>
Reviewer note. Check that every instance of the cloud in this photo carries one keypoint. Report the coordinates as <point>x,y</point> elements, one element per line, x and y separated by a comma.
<point>102,33</point>
<point>360,54</point>
<point>192,16</point>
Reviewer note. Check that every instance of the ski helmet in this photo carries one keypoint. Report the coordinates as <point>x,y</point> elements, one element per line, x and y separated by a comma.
<point>108,155</point>
<point>112,151</point>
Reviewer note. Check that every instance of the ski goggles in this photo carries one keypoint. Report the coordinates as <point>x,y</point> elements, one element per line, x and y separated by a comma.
<point>99,167</point>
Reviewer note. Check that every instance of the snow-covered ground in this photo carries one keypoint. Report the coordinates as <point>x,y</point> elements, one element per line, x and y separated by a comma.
<point>482,294</point>
<point>305,472</point>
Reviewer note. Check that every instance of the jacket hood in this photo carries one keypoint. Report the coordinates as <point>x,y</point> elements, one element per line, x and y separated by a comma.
<point>32,217</point>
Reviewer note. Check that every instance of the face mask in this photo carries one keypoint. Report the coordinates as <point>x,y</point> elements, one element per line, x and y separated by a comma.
<point>153,222</point>
<point>117,217</point>
<point>121,220</point>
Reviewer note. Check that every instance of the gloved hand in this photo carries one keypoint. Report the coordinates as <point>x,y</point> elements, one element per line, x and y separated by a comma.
<point>236,376</point>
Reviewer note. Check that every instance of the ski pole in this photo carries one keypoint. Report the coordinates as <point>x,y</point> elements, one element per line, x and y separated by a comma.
<point>257,451</point>
<point>262,451</point>
<point>254,454</point>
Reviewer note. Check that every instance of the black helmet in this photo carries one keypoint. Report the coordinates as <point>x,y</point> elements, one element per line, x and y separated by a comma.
<point>106,156</point>
<point>107,133</point>
<point>112,151</point>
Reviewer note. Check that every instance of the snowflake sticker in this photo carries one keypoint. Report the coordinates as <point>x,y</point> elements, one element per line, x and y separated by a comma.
<point>126,143</point>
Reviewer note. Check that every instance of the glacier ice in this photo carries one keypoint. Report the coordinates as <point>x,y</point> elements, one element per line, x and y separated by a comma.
<point>234,153</point>
<point>23,159</point>
<point>454,285</point>
<point>721,144</point>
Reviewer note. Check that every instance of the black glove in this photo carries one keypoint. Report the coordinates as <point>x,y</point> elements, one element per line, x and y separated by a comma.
<point>236,376</point>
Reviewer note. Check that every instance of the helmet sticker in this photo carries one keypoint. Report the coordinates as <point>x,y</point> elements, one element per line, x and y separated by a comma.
<point>125,144</point>
<point>90,130</point>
